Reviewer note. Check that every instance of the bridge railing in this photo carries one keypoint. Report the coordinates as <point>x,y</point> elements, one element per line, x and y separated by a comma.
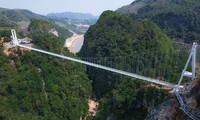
<point>155,64</point>
<point>136,64</point>
<point>165,65</point>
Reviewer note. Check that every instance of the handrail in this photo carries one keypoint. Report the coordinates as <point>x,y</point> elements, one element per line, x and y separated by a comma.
<point>103,67</point>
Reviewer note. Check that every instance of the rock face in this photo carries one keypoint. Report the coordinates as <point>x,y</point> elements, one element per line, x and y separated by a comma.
<point>170,109</point>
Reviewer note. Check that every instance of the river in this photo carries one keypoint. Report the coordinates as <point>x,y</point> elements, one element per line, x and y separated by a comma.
<point>75,42</point>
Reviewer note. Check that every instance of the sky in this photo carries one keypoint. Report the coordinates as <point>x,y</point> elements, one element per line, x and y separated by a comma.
<point>43,7</point>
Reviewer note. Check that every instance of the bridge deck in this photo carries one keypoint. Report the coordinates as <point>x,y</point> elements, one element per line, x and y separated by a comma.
<point>175,87</point>
<point>103,67</point>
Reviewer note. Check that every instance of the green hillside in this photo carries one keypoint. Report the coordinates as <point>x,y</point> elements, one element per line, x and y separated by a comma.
<point>116,35</point>
<point>180,19</point>
<point>20,19</point>
<point>38,86</point>
<point>16,18</point>
<point>18,15</point>
<point>39,26</point>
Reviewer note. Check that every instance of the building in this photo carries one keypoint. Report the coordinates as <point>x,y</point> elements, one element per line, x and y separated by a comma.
<point>25,40</point>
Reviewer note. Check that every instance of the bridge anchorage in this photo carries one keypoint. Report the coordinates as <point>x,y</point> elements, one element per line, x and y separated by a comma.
<point>176,88</point>
<point>192,57</point>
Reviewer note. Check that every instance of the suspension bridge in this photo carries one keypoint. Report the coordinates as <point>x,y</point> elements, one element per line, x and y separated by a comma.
<point>175,87</point>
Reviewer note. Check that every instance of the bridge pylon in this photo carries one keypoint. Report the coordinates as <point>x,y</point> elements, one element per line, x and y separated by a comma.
<point>14,37</point>
<point>192,57</point>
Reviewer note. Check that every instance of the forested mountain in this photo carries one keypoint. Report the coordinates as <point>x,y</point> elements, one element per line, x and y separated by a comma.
<point>45,26</point>
<point>9,17</point>
<point>72,15</point>
<point>20,19</point>
<point>118,36</point>
<point>38,86</point>
<point>40,26</point>
<point>180,19</point>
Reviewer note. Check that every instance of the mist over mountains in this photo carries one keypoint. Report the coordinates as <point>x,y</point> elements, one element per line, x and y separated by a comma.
<point>9,17</point>
<point>68,20</point>
<point>72,15</point>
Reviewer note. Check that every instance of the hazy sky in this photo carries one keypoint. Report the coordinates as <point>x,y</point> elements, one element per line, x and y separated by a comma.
<point>96,7</point>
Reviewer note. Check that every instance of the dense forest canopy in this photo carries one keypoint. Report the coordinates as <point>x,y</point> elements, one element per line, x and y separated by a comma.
<point>45,26</point>
<point>115,35</point>
<point>38,86</point>
<point>180,19</point>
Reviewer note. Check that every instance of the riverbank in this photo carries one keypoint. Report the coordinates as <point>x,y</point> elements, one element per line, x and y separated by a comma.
<point>75,42</point>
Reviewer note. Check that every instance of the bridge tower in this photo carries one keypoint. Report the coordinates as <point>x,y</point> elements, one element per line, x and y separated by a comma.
<point>14,37</point>
<point>192,57</point>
